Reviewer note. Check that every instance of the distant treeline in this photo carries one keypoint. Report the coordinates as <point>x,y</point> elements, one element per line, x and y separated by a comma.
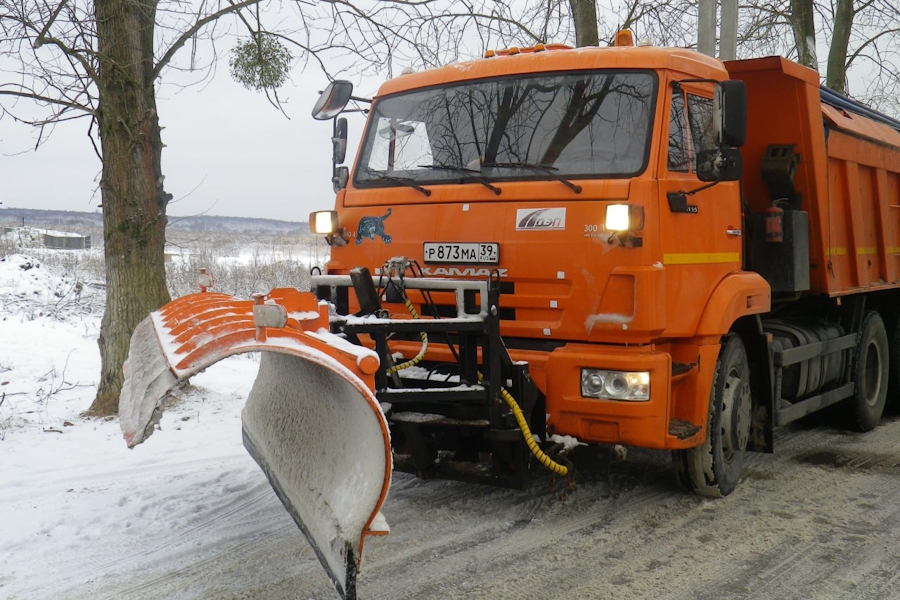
<point>68,220</point>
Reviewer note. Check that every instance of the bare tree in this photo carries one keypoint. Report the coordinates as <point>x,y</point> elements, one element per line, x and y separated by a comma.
<point>861,37</point>
<point>100,60</point>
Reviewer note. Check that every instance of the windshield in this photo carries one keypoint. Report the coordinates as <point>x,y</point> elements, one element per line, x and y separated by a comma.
<point>577,124</point>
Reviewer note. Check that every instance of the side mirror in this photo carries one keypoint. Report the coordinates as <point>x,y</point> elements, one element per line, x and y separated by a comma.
<point>730,113</point>
<point>340,178</point>
<point>339,141</point>
<point>721,164</point>
<point>332,100</point>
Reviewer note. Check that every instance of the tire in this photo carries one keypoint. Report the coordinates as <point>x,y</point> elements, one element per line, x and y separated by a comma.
<point>892,405</point>
<point>870,372</point>
<point>714,468</point>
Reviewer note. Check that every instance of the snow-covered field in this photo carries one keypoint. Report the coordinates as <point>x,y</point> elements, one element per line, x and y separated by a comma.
<point>77,505</point>
<point>189,515</point>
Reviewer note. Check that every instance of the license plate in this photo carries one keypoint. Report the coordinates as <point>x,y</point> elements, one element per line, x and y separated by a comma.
<point>465,252</point>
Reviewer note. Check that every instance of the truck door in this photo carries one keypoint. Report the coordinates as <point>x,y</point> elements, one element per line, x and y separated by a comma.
<point>700,239</point>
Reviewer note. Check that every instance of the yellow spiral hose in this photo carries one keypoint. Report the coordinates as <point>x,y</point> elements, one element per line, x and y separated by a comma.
<point>539,454</point>
<point>421,354</point>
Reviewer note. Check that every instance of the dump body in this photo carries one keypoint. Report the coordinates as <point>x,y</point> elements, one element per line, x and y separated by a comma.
<point>848,176</point>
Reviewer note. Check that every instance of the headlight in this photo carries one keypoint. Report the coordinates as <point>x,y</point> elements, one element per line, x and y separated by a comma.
<point>323,222</point>
<point>615,385</point>
<point>617,217</point>
<point>624,217</point>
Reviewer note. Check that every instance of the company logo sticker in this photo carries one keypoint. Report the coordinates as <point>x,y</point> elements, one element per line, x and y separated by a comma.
<point>542,219</point>
<point>369,227</point>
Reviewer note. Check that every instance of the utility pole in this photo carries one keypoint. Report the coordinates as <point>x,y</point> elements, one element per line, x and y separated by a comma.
<point>728,43</point>
<point>706,32</point>
<point>706,29</point>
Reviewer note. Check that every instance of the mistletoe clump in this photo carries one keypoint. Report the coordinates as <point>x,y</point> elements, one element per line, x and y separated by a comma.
<point>260,62</point>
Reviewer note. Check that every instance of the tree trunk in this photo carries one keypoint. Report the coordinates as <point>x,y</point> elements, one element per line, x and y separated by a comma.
<point>836,75</point>
<point>804,32</point>
<point>584,13</point>
<point>131,185</point>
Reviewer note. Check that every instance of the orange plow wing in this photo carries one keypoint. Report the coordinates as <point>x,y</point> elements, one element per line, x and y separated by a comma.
<point>311,421</point>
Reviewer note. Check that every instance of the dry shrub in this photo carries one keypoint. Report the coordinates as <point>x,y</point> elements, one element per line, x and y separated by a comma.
<point>76,288</point>
<point>243,264</point>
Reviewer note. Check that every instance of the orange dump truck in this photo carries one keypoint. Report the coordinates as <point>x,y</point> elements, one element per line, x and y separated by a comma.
<point>626,245</point>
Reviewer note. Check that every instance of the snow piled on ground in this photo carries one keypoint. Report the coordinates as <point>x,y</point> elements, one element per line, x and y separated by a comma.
<point>24,281</point>
<point>76,503</point>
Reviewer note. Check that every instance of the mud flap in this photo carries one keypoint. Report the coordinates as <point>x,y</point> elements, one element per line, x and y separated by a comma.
<point>311,421</point>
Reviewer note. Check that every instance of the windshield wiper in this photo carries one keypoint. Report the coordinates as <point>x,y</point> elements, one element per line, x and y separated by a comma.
<point>378,175</point>
<point>540,169</point>
<point>473,175</point>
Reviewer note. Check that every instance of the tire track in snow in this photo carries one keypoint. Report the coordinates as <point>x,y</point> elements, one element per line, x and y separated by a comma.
<point>221,516</point>
<point>504,544</point>
<point>156,587</point>
<point>233,514</point>
<point>654,549</point>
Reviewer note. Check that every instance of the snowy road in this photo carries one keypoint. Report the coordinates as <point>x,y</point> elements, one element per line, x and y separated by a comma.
<point>194,518</point>
<point>820,520</point>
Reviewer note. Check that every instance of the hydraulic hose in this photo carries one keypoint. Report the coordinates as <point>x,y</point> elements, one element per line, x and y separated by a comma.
<point>539,454</point>
<point>421,354</point>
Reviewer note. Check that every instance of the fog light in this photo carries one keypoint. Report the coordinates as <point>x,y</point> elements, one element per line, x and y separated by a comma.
<point>615,385</point>
<point>323,222</point>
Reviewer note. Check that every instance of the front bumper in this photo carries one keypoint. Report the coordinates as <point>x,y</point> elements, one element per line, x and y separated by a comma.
<point>648,424</point>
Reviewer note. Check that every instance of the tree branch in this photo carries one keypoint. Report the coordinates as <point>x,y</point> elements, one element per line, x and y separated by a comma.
<point>39,40</point>
<point>70,52</point>
<point>867,43</point>
<point>181,41</point>
<point>48,100</point>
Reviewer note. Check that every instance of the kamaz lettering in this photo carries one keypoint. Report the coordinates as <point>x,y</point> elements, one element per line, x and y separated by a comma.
<point>457,272</point>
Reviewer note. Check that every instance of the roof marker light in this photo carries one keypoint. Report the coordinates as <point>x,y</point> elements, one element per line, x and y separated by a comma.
<point>624,37</point>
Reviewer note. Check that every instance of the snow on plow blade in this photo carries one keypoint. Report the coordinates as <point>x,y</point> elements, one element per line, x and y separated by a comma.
<point>311,421</point>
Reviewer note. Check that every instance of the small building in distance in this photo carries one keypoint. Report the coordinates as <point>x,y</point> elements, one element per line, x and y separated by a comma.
<point>67,241</point>
<point>31,237</point>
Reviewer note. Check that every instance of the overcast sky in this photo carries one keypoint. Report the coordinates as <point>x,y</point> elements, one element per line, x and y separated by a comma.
<point>228,152</point>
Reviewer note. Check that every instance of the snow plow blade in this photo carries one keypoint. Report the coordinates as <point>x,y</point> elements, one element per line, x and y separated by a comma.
<point>311,421</point>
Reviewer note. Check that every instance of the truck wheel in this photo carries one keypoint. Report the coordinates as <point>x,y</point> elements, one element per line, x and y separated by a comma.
<point>892,405</point>
<point>714,468</point>
<point>870,372</point>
